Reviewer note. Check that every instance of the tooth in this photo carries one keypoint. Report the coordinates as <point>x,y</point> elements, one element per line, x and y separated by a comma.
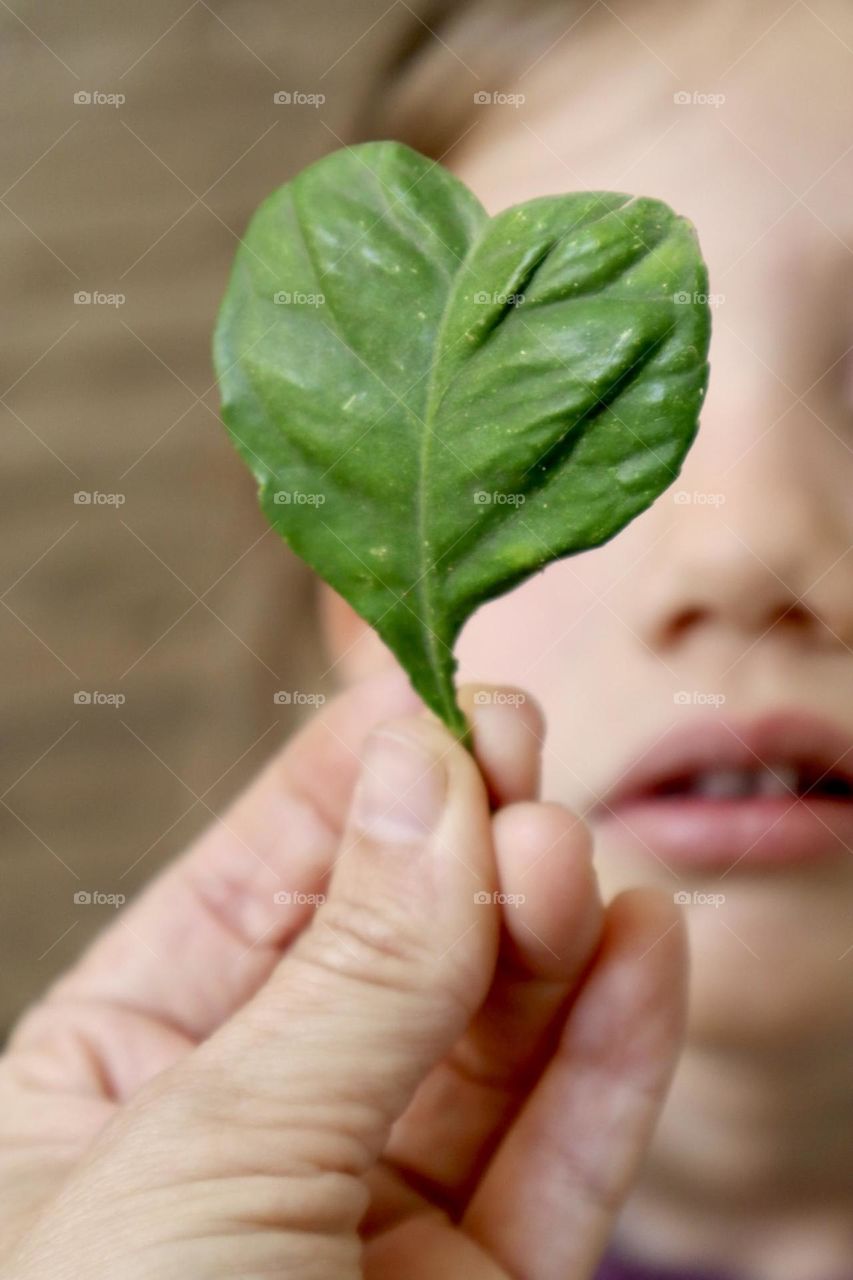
<point>724,784</point>
<point>778,780</point>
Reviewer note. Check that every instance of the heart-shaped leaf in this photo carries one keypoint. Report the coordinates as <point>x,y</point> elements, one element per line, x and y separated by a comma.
<point>437,403</point>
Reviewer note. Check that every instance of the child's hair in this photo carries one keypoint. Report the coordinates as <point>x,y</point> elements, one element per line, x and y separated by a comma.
<point>458,49</point>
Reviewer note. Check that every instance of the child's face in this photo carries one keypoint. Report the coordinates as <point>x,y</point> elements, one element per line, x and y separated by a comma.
<point>736,589</point>
<point>690,598</point>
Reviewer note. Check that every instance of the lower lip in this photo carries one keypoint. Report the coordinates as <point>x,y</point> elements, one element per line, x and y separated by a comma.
<point>720,834</point>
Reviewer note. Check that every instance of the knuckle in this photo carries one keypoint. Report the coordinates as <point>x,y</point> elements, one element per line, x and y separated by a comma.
<point>369,943</point>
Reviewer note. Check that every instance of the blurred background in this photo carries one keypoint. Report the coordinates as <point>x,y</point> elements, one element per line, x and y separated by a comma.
<point>149,617</point>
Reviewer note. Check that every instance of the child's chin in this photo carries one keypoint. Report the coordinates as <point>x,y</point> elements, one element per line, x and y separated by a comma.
<point>763,976</point>
<point>771,950</point>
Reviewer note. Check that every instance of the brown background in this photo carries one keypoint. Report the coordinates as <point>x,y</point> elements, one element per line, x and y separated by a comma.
<point>179,599</point>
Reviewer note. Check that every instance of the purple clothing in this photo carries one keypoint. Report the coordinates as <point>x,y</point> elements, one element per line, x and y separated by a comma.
<point>613,1268</point>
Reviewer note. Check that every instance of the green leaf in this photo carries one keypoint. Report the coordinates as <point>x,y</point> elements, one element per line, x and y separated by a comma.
<point>436,403</point>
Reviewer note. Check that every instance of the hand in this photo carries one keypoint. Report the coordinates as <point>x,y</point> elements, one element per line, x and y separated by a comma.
<point>413,1080</point>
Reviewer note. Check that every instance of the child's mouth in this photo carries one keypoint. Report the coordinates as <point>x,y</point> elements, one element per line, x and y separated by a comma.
<point>719,793</point>
<point>776,778</point>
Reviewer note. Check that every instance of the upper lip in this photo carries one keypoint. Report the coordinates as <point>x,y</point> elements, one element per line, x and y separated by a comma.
<point>796,739</point>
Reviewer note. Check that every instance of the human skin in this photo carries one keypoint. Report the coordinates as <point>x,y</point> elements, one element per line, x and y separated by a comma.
<point>751,598</point>
<point>390,1081</point>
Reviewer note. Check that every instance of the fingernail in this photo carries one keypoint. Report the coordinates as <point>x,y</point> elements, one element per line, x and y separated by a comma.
<point>400,795</point>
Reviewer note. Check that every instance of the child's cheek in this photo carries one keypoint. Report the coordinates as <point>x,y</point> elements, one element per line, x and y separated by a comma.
<point>524,637</point>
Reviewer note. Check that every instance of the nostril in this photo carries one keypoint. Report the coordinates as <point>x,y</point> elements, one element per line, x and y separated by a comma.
<point>685,621</point>
<point>800,622</point>
<point>796,617</point>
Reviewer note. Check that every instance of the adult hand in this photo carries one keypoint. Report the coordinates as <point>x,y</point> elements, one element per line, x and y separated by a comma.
<point>451,1066</point>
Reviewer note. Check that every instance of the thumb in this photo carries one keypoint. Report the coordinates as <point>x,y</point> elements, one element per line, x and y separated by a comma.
<point>316,1068</point>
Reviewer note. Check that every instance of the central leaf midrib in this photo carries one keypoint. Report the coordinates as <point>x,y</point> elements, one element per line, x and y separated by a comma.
<point>424,571</point>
